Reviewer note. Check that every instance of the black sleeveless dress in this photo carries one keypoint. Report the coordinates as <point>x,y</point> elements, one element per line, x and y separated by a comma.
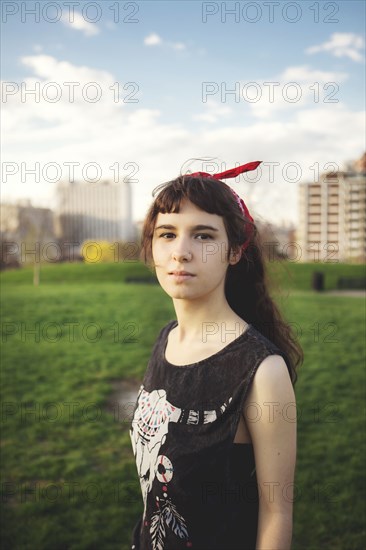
<point>199,489</point>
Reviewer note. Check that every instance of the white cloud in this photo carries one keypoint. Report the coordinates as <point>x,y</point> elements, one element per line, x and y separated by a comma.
<point>214,110</point>
<point>152,40</point>
<point>296,87</point>
<point>107,133</point>
<point>304,74</point>
<point>52,69</point>
<point>78,23</point>
<point>178,46</point>
<point>341,45</point>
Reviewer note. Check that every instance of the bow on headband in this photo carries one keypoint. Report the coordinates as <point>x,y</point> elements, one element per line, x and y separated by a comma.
<point>232,173</point>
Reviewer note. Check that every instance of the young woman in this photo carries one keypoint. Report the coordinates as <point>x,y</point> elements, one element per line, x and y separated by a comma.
<point>214,426</point>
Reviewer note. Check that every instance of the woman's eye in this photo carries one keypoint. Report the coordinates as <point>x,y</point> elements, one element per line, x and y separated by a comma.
<point>204,235</point>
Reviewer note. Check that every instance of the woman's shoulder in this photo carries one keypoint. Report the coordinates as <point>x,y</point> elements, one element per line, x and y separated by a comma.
<point>272,355</point>
<point>273,368</point>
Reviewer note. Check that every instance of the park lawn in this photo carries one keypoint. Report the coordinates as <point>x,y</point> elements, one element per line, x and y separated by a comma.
<point>68,474</point>
<point>284,274</point>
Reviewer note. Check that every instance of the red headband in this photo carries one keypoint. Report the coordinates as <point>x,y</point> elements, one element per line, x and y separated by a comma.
<point>232,173</point>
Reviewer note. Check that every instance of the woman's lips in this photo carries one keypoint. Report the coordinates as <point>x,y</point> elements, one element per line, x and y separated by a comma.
<point>180,272</point>
<point>181,277</point>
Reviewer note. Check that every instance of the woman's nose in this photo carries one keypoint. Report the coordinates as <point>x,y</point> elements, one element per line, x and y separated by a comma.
<point>180,255</point>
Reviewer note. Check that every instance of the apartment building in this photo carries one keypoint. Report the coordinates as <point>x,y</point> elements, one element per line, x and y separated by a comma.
<point>332,216</point>
<point>25,231</point>
<point>94,211</point>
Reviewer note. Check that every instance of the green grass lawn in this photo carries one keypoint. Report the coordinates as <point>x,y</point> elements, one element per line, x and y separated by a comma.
<point>288,275</point>
<point>68,474</point>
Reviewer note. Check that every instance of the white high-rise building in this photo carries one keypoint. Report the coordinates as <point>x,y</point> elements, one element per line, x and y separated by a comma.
<point>332,221</point>
<point>94,211</point>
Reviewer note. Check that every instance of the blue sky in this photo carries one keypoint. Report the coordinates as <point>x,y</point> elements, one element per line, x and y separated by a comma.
<point>169,52</point>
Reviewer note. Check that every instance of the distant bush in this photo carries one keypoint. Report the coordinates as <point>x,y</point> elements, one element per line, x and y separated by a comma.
<point>108,252</point>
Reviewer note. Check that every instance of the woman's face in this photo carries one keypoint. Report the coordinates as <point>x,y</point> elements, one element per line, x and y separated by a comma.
<point>193,241</point>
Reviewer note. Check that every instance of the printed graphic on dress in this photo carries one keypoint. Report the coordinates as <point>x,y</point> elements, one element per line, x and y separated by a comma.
<point>167,514</point>
<point>148,433</point>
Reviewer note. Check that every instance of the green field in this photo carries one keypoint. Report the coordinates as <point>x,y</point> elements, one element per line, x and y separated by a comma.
<point>69,480</point>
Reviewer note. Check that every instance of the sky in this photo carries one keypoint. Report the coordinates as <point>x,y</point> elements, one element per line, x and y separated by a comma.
<point>147,90</point>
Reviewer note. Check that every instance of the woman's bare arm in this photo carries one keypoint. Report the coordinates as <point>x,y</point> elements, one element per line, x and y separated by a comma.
<point>270,415</point>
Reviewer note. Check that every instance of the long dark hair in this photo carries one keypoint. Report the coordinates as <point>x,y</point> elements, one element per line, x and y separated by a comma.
<point>246,284</point>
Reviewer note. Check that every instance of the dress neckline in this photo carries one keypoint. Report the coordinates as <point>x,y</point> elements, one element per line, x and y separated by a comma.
<point>242,336</point>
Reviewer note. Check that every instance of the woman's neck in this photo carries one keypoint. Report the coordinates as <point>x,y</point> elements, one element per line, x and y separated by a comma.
<point>202,322</point>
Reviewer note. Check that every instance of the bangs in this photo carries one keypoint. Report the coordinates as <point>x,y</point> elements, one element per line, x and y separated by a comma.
<point>207,194</point>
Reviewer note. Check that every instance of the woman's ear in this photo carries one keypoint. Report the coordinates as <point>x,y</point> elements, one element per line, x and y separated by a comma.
<point>235,255</point>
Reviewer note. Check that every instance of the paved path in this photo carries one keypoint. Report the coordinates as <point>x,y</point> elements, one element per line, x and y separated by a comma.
<point>357,293</point>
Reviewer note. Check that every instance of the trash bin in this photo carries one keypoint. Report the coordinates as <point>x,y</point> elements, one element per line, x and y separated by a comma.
<point>318,281</point>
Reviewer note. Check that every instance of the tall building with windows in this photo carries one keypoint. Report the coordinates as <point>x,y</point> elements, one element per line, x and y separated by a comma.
<point>94,211</point>
<point>27,233</point>
<point>332,216</point>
